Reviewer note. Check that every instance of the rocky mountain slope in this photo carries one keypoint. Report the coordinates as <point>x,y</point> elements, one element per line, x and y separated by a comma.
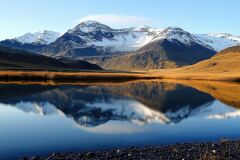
<point>156,55</point>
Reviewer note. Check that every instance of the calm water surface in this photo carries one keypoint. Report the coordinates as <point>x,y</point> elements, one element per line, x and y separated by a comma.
<point>40,119</point>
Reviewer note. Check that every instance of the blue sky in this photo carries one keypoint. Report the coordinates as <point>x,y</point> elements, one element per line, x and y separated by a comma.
<point>198,16</point>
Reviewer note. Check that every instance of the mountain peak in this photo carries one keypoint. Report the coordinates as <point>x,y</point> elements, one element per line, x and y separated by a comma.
<point>42,37</point>
<point>174,30</point>
<point>90,26</point>
<point>144,28</point>
<point>47,31</point>
<point>90,22</point>
<point>176,33</point>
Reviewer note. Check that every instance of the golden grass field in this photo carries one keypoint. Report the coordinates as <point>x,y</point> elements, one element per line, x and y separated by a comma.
<point>224,66</point>
<point>71,75</point>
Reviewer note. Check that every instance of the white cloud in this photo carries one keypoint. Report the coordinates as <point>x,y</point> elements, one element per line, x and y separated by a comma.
<point>118,21</point>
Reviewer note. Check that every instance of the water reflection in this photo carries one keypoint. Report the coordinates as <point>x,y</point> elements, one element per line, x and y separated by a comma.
<point>137,102</point>
<point>115,115</point>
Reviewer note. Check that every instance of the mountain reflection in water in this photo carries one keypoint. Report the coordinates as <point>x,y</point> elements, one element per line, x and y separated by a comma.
<point>92,105</point>
<point>37,119</point>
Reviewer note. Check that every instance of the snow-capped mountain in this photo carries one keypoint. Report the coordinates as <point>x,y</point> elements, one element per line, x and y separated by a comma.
<point>106,40</point>
<point>219,41</point>
<point>42,37</point>
<point>145,47</point>
<point>131,39</point>
<point>159,48</point>
<point>128,39</point>
<point>32,42</point>
<point>102,40</point>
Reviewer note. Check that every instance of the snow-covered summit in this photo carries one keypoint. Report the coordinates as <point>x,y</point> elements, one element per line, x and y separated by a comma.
<point>175,33</point>
<point>42,37</point>
<point>90,22</point>
<point>90,26</point>
<point>131,39</point>
<point>144,28</point>
<point>219,41</point>
<point>97,34</point>
<point>107,39</point>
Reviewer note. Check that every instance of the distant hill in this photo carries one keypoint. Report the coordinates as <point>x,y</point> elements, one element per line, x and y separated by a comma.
<point>20,59</point>
<point>226,61</point>
<point>79,64</point>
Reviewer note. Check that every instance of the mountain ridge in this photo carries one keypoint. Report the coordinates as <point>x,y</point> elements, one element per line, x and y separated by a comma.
<point>133,48</point>
<point>143,35</point>
<point>41,37</point>
<point>32,42</point>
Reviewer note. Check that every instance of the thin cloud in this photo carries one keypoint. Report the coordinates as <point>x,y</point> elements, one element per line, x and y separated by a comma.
<point>115,20</point>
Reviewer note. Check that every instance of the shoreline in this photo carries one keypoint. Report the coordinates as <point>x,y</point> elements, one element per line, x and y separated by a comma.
<point>40,75</point>
<point>223,149</point>
<point>177,74</point>
<point>172,74</point>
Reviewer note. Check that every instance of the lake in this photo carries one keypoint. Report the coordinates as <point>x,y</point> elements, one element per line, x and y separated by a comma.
<point>41,118</point>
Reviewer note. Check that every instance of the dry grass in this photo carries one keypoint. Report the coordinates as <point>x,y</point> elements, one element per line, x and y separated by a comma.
<point>222,67</point>
<point>88,76</point>
<point>108,76</point>
<point>176,74</point>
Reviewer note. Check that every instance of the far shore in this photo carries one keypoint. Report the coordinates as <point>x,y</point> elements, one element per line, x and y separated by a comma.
<point>206,76</point>
<point>71,75</point>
